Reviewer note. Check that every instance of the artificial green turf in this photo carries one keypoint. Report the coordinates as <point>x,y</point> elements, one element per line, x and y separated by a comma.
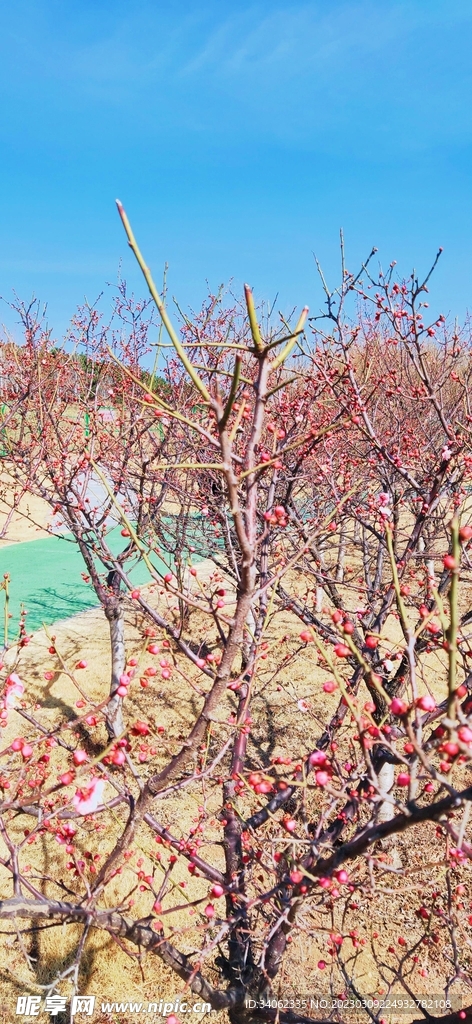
<point>45,577</point>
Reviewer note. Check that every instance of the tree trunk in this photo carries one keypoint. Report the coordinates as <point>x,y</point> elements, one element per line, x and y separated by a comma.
<point>341,553</point>
<point>386,778</point>
<point>248,637</point>
<point>113,715</point>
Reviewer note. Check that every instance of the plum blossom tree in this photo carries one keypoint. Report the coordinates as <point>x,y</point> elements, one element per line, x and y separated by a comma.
<point>324,471</point>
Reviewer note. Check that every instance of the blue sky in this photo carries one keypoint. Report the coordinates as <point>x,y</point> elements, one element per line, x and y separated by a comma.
<point>240,138</point>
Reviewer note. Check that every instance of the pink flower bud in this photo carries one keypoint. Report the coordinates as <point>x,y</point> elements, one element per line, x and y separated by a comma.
<point>318,757</point>
<point>426,703</point>
<point>66,778</point>
<point>80,757</point>
<point>398,707</point>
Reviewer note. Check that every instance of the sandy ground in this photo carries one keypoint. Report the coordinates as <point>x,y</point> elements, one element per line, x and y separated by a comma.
<point>30,519</point>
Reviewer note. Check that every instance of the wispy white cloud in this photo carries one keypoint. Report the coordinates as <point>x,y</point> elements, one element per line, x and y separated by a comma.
<point>350,67</point>
<point>298,72</point>
<point>308,36</point>
<point>351,74</point>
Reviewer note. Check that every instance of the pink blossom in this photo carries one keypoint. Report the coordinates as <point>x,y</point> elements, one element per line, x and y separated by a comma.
<point>87,799</point>
<point>318,757</point>
<point>14,690</point>
<point>14,680</point>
